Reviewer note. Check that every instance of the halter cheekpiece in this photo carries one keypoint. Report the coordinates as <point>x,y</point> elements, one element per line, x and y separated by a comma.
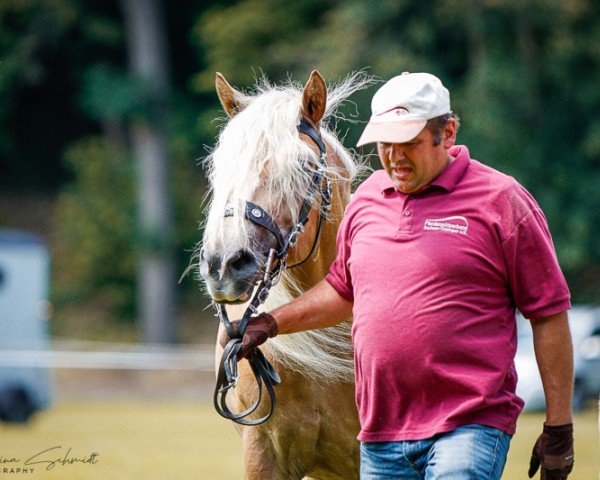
<point>276,262</point>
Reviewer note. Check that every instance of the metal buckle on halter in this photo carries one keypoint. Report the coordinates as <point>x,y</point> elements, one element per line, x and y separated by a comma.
<point>268,264</point>
<point>280,268</point>
<point>262,296</point>
<point>295,233</point>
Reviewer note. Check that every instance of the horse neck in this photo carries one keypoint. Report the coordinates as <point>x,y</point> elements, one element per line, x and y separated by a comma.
<point>316,267</point>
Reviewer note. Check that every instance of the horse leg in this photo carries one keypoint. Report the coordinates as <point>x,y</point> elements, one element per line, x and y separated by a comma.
<point>261,460</point>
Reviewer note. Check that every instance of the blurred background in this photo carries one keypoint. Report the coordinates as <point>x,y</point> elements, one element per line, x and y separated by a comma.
<point>107,109</point>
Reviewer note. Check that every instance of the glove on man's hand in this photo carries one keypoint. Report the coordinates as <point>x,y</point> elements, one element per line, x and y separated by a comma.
<point>258,330</point>
<point>554,452</point>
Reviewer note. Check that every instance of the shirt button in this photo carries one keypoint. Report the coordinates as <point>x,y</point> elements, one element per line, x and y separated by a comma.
<point>407,213</point>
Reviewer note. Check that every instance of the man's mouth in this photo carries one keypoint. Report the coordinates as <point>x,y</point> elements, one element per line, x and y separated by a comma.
<point>401,173</point>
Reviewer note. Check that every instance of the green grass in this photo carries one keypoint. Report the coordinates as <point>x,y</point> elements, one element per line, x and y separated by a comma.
<point>135,440</point>
<point>185,440</point>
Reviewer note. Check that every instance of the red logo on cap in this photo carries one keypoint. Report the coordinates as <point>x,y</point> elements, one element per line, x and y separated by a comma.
<point>398,110</point>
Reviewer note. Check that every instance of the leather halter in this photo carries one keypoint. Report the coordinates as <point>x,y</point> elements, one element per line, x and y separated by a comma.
<point>263,371</point>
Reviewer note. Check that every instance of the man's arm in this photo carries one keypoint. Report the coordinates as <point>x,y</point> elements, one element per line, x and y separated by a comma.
<point>554,355</point>
<point>321,306</point>
<point>553,450</point>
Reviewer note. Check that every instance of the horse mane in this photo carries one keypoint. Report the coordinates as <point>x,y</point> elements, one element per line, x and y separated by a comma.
<point>259,150</point>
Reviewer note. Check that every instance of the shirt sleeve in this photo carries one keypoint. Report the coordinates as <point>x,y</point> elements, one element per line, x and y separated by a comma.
<point>339,275</point>
<point>536,281</point>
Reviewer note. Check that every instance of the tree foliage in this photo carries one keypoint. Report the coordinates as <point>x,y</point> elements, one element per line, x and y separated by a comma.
<point>45,48</point>
<point>96,251</point>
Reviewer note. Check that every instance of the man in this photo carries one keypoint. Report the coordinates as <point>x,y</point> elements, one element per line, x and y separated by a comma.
<point>434,254</point>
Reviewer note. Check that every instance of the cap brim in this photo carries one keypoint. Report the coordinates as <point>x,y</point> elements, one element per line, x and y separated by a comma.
<point>391,132</point>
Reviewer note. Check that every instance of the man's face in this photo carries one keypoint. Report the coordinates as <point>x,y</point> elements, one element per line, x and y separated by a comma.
<point>414,164</point>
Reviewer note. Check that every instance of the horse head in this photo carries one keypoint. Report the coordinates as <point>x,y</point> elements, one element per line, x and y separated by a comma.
<point>260,159</point>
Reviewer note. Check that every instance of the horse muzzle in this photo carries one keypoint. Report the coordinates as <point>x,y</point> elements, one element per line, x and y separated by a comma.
<point>229,278</point>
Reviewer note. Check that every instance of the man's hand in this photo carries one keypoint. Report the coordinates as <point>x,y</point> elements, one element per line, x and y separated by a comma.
<point>554,452</point>
<point>258,330</point>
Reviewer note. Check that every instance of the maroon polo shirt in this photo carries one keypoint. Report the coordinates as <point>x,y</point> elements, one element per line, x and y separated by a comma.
<point>435,277</point>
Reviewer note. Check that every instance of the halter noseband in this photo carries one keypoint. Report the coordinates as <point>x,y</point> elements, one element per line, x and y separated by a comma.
<point>263,371</point>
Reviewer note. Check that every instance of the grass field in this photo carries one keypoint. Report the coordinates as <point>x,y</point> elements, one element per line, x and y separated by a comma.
<point>185,440</point>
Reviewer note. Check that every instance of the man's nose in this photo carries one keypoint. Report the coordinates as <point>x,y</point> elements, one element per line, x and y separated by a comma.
<point>396,151</point>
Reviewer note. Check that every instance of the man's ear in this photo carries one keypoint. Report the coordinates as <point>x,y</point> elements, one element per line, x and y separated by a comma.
<point>232,100</point>
<point>314,98</point>
<point>449,138</point>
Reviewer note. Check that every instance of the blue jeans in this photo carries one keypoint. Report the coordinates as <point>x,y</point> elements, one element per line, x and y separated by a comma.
<point>471,452</point>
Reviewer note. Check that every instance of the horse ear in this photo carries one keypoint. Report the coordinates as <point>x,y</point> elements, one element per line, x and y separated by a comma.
<point>314,98</point>
<point>232,100</point>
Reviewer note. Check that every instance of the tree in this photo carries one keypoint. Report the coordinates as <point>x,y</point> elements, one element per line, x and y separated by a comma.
<point>146,40</point>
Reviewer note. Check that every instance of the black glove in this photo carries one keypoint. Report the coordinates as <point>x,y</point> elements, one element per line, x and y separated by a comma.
<point>258,330</point>
<point>554,452</point>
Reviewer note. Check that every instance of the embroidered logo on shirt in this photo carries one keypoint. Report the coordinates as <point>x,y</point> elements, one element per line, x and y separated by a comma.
<point>454,224</point>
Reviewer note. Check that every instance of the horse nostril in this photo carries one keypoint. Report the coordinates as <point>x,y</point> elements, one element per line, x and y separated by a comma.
<point>240,260</point>
<point>209,264</point>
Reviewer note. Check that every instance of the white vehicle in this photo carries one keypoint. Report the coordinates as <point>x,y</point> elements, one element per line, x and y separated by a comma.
<point>24,267</point>
<point>585,330</point>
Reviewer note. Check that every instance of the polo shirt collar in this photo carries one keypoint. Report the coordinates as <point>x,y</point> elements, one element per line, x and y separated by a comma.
<point>448,179</point>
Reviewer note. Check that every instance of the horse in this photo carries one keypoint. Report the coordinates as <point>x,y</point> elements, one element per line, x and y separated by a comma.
<point>260,156</point>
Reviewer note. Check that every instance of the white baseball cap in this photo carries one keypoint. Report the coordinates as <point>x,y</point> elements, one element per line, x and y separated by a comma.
<point>401,107</point>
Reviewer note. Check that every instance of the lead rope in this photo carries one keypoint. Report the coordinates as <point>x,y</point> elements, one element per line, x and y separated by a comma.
<point>264,373</point>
